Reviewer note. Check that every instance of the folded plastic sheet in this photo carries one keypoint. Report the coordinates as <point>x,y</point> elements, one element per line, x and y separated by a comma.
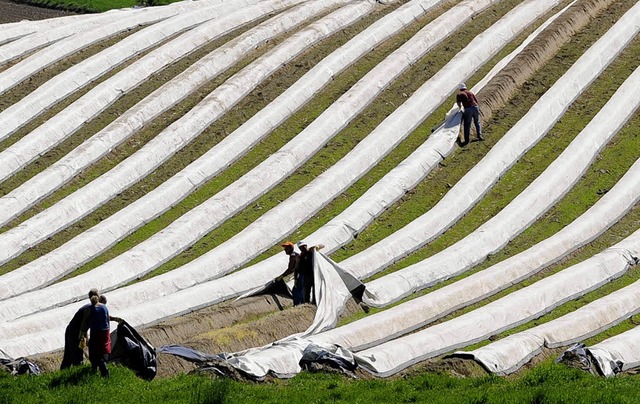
<point>530,129</point>
<point>624,348</point>
<point>528,206</point>
<point>165,97</point>
<point>221,19</point>
<point>509,354</point>
<point>510,311</point>
<point>176,136</point>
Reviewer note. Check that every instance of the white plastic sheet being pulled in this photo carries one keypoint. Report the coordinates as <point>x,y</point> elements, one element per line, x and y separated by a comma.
<point>623,348</point>
<point>524,135</point>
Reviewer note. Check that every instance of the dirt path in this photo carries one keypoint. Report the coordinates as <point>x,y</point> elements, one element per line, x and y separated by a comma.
<point>14,12</point>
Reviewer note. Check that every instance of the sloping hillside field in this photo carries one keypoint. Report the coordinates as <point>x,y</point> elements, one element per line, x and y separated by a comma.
<point>163,155</point>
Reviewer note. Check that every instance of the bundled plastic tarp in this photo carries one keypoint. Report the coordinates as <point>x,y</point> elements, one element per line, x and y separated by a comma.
<point>617,354</point>
<point>131,350</point>
<point>20,366</point>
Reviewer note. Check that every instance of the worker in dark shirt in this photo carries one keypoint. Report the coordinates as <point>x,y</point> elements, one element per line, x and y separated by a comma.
<point>306,271</point>
<point>292,268</point>
<point>467,100</point>
<point>73,353</point>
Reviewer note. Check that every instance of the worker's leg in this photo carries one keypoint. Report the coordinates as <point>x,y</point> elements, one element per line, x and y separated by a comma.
<point>298,290</point>
<point>102,365</point>
<point>466,124</point>
<point>476,121</point>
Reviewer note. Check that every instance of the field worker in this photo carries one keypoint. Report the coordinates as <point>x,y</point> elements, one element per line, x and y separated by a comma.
<point>292,268</point>
<point>100,338</point>
<point>73,353</point>
<point>468,100</point>
<point>305,268</point>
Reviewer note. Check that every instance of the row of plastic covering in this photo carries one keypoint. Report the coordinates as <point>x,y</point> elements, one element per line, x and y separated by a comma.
<point>102,62</point>
<point>146,208</point>
<point>283,357</point>
<point>80,23</point>
<point>90,105</point>
<point>520,138</point>
<point>253,274</point>
<point>224,258</point>
<point>212,156</point>
<point>176,136</point>
<point>165,97</point>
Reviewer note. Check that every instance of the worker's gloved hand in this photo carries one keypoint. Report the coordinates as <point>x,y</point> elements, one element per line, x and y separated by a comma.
<point>117,320</point>
<point>320,246</point>
<point>279,278</point>
<point>83,344</point>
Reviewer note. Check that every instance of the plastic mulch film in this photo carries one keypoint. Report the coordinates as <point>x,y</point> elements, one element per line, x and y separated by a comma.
<point>165,97</point>
<point>176,136</point>
<point>220,20</point>
<point>510,311</point>
<point>470,189</point>
<point>228,289</point>
<point>190,230</point>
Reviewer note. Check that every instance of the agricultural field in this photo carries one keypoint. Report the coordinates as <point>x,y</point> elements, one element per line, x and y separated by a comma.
<point>163,154</point>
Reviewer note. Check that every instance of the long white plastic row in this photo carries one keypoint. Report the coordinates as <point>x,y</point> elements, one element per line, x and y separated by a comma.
<point>524,135</point>
<point>65,123</point>
<point>509,354</point>
<point>165,97</point>
<point>211,293</point>
<point>189,230</point>
<point>179,133</point>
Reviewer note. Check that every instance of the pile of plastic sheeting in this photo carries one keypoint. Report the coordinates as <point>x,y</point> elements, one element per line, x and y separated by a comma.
<point>617,354</point>
<point>130,349</point>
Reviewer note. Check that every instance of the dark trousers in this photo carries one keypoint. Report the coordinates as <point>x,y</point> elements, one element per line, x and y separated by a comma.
<point>469,114</point>
<point>302,291</point>
<point>73,355</point>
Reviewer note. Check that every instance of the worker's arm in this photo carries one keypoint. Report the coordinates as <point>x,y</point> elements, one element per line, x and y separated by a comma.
<point>84,326</point>
<point>290,269</point>
<point>317,247</point>
<point>116,319</point>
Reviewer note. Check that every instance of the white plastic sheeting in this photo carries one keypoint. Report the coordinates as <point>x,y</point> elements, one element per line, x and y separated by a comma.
<point>13,31</point>
<point>69,120</point>
<point>510,353</point>
<point>165,97</point>
<point>514,309</point>
<point>112,24</point>
<point>181,132</point>
<point>82,248</point>
<point>136,261</point>
<point>524,135</point>
<point>623,348</point>
<point>523,210</point>
<point>210,293</point>
<point>162,146</point>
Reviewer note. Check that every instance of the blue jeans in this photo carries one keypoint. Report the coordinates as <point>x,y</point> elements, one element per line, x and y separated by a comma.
<point>298,290</point>
<point>469,114</point>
